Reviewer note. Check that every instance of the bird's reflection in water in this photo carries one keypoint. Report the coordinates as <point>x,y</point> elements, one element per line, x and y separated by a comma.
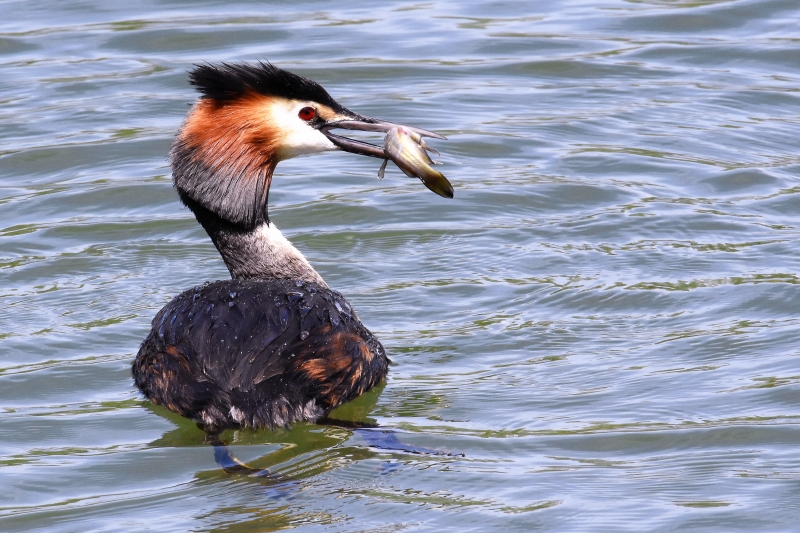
<point>300,452</point>
<point>282,481</point>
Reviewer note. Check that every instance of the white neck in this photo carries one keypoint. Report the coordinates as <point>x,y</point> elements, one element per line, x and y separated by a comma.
<point>262,253</point>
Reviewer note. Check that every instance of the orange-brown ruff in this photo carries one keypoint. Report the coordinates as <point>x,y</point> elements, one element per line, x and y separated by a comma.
<point>233,135</point>
<point>273,345</point>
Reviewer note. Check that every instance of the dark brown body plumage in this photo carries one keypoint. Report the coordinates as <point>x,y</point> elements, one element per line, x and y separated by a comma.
<point>257,354</point>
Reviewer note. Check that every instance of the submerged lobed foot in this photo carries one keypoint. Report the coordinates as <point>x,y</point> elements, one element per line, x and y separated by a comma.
<point>374,437</point>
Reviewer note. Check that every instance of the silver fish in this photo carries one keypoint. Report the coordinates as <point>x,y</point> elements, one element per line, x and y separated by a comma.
<point>408,151</point>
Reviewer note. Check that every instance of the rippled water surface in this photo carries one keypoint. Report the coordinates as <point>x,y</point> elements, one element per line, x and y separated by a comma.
<point>604,320</point>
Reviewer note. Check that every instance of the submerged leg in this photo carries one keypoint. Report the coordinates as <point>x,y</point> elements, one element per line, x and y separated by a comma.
<point>226,460</point>
<point>384,439</point>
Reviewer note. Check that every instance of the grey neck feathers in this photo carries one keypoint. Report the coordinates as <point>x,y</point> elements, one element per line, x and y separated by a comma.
<point>261,253</point>
<point>233,210</point>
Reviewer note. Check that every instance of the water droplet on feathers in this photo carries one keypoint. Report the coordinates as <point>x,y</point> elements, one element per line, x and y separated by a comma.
<point>303,335</point>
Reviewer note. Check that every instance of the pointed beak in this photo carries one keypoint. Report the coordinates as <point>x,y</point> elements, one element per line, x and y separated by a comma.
<point>354,121</point>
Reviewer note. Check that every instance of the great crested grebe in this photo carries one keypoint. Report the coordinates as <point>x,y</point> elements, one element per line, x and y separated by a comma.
<point>274,345</point>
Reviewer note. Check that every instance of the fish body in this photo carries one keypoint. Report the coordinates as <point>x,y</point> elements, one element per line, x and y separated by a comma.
<point>408,151</point>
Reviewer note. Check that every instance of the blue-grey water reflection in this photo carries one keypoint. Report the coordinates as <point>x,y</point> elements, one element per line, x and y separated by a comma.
<point>604,319</point>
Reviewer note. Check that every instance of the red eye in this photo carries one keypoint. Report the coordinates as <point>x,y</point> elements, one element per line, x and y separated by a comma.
<point>307,113</point>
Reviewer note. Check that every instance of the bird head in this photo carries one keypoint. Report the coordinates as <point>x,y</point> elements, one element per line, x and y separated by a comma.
<point>248,118</point>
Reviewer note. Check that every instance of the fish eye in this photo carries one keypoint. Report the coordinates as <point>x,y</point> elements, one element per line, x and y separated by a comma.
<point>307,113</point>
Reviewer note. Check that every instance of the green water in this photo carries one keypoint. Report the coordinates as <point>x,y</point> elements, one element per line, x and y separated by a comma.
<point>603,320</point>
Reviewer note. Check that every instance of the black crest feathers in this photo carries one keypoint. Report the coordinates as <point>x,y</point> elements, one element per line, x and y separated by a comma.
<point>230,81</point>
